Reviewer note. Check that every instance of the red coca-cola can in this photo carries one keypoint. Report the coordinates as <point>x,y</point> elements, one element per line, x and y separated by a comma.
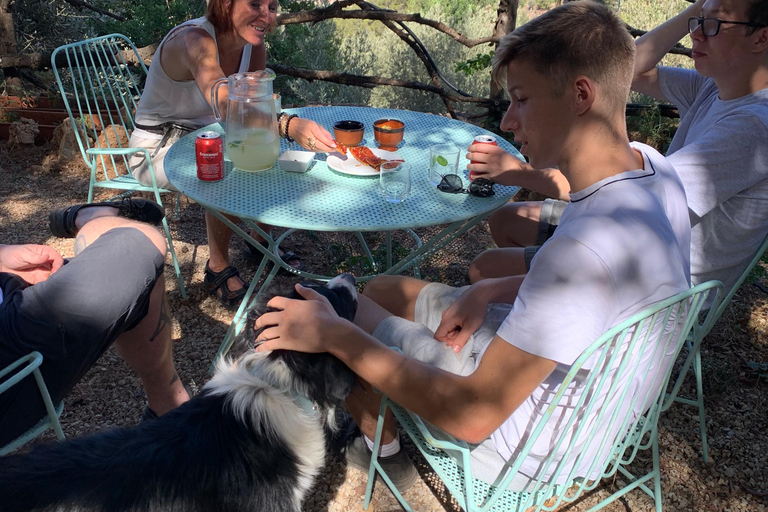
<point>209,154</point>
<point>482,139</point>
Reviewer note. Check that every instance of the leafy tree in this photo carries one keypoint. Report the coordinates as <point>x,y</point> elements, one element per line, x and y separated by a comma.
<point>147,21</point>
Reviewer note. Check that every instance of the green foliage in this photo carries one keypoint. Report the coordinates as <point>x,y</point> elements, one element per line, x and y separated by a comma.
<point>307,46</point>
<point>651,128</point>
<point>8,117</point>
<point>646,15</point>
<point>147,20</point>
<point>453,9</point>
<point>479,63</point>
<point>539,4</point>
<point>296,5</point>
<point>345,259</point>
<point>760,271</point>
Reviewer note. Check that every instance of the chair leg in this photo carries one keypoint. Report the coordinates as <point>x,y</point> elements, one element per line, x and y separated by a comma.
<point>700,404</point>
<point>375,466</point>
<point>656,473</point>
<point>179,278</point>
<point>49,407</point>
<point>375,453</point>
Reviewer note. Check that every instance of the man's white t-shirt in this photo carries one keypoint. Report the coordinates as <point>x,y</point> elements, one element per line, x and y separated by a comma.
<point>622,245</point>
<point>720,152</point>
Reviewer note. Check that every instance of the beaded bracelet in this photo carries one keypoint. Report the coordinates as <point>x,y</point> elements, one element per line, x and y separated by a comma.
<point>287,125</point>
<point>281,117</point>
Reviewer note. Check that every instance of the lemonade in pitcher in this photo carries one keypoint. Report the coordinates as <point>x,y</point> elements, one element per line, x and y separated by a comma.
<point>257,152</point>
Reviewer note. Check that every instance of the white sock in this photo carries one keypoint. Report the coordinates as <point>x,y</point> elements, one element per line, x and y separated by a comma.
<point>386,450</point>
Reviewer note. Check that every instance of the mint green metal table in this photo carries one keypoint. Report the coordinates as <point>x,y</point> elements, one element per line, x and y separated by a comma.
<point>325,200</point>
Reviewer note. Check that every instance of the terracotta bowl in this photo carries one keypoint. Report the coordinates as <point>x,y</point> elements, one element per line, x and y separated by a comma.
<point>349,133</point>
<point>388,132</point>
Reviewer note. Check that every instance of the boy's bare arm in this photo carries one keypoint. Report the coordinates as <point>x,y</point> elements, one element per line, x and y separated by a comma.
<point>654,45</point>
<point>469,408</point>
<point>498,165</point>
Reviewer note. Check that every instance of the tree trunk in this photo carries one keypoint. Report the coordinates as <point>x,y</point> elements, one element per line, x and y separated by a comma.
<point>506,20</point>
<point>7,32</point>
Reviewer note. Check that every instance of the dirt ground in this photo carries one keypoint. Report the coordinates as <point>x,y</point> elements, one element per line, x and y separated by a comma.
<point>33,181</point>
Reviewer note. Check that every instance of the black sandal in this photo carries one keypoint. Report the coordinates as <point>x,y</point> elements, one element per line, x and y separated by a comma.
<point>216,284</point>
<point>253,254</point>
<point>62,220</point>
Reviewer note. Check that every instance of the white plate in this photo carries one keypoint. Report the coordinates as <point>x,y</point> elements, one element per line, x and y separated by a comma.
<point>347,164</point>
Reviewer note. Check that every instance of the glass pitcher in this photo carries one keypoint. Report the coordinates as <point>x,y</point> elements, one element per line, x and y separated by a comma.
<point>252,140</point>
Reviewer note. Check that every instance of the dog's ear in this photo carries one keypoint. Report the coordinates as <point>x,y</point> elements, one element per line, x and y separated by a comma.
<point>342,299</point>
<point>327,381</point>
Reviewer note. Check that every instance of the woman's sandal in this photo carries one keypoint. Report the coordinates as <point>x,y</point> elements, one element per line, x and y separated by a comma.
<point>216,284</point>
<point>290,257</point>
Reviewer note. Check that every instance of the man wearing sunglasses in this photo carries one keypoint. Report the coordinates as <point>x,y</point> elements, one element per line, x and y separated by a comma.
<point>720,150</point>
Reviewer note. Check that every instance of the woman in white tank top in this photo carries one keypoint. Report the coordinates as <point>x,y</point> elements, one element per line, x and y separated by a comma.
<point>189,60</point>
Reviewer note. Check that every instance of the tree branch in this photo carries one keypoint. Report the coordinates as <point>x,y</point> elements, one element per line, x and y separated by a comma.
<point>336,11</point>
<point>678,49</point>
<point>371,81</point>
<point>79,4</point>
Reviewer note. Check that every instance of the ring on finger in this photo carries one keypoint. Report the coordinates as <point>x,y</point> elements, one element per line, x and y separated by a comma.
<point>311,143</point>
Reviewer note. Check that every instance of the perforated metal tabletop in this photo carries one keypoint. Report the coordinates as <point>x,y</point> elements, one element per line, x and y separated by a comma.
<point>325,200</point>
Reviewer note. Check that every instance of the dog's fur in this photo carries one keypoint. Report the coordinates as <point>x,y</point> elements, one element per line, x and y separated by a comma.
<point>250,441</point>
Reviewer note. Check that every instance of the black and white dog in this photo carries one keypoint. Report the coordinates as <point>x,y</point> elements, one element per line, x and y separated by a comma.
<point>253,440</point>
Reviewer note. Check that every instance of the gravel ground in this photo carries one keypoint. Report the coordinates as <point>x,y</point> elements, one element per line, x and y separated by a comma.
<point>33,181</point>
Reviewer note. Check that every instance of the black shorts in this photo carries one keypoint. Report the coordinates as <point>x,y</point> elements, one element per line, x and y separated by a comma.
<point>72,318</point>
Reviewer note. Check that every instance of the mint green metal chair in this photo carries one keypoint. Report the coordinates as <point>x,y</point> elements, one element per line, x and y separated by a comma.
<point>32,364</point>
<point>658,330</point>
<point>693,358</point>
<point>101,92</point>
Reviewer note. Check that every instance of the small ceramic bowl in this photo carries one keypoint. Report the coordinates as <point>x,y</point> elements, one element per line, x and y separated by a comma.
<point>388,132</point>
<point>296,161</point>
<point>349,133</point>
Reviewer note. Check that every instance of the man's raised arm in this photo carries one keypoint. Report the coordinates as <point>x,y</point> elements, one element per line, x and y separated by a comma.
<point>652,47</point>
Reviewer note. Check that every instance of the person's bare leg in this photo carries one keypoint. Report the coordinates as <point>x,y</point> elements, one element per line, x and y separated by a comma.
<point>363,403</point>
<point>396,294</point>
<point>219,235</point>
<point>514,227</point>
<point>147,348</point>
<point>504,262</point>
<point>515,224</point>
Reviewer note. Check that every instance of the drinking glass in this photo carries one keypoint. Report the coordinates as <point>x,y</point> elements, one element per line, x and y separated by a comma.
<point>395,181</point>
<point>443,160</point>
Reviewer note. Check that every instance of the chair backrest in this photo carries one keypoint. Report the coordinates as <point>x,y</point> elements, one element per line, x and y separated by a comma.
<point>619,381</point>
<point>101,81</point>
<point>715,314</point>
<point>19,370</point>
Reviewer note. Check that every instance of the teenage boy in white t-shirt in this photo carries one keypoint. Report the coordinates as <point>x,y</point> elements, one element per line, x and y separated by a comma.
<point>623,245</point>
<point>720,150</point>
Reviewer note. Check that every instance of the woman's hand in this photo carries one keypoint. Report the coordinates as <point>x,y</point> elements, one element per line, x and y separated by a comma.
<point>304,325</point>
<point>311,135</point>
<point>33,263</point>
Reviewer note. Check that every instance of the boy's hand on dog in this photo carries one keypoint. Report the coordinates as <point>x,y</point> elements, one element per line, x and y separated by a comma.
<point>301,325</point>
<point>462,318</point>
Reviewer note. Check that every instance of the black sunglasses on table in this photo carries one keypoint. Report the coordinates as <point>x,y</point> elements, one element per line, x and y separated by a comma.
<point>479,187</point>
<point>710,27</point>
